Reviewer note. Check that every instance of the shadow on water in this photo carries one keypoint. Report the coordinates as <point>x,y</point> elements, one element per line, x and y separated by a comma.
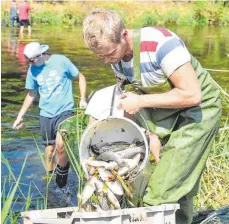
<point>209,44</point>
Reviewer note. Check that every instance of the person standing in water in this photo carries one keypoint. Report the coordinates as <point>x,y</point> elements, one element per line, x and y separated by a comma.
<point>24,11</point>
<point>177,97</point>
<point>51,76</point>
<point>14,14</point>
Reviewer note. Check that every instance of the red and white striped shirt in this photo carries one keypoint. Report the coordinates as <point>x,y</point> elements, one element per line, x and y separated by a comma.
<point>161,53</point>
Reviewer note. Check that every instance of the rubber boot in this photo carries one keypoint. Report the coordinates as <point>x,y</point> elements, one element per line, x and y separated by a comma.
<point>62,175</point>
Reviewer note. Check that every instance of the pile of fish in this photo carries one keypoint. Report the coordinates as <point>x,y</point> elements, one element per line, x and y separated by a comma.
<point>111,169</point>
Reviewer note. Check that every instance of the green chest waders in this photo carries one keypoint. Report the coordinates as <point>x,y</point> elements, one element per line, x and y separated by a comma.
<point>190,133</point>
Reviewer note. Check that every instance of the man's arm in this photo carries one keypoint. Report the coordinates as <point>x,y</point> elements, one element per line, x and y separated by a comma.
<point>30,97</point>
<point>186,93</point>
<point>82,86</point>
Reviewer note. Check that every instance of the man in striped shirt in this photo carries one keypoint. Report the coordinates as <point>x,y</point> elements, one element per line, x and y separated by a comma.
<point>178,98</point>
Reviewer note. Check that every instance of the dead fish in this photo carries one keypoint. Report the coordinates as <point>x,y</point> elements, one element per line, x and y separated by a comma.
<point>103,201</point>
<point>132,163</point>
<point>108,156</point>
<point>105,175</point>
<point>91,170</point>
<point>114,146</point>
<point>112,166</point>
<point>111,156</point>
<point>99,186</point>
<point>115,187</point>
<point>108,166</point>
<point>130,152</point>
<point>113,200</point>
<point>101,193</point>
<point>96,163</point>
<point>88,190</point>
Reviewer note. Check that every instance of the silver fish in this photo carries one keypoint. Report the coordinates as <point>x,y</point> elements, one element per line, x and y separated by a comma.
<point>96,163</point>
<point>91,170</point>
<point>105,147</point>
<point>130,152</point>
<point>115,187</point>
<point>132,163</point>
<point>108,166</point>
<point>111,197</point>
<point>111,156</point>
<point>87,191</point>
<point>103,201</point>
<point>99,186</point>
<point>105,175</point>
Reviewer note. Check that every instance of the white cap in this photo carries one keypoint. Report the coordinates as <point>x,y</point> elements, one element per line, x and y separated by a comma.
<point>34,49</point>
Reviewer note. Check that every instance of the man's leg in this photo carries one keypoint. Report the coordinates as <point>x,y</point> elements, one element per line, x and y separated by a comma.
<point>29,30</point>
<point>62,162</point>
<point>49,158</point>
<point>62,158</point>
<point>176,176</point>
<point>48,140</point>
<point>18,22</point>
<point>11,22</point>
<point>21,30</point>
<point>185,213</point>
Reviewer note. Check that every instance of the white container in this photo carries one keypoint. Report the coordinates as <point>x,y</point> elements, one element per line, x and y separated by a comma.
<point>110,130</point>
<point>163,214</point>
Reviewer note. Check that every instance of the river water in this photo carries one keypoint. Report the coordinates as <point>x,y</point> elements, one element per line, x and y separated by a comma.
<point>209,45</point>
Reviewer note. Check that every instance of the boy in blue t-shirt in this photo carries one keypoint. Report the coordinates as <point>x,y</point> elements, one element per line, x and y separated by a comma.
<point>51,76</point>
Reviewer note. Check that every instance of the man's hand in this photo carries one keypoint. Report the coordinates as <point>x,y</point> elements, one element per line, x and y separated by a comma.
<point>18,124</point>
<point>83,104</point>
<point>154,146</point>
<point>130,102</point>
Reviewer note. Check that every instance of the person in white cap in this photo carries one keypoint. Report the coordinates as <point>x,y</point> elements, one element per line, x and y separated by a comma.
<point>51,76</point>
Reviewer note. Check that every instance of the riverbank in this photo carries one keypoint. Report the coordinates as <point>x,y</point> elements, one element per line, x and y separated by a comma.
<point>134,14</point>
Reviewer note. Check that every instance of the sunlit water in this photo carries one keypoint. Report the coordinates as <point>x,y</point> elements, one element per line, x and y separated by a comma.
<point>208,44</point>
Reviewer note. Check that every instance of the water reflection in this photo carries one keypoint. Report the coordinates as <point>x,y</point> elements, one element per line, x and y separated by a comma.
<point>209,44</point>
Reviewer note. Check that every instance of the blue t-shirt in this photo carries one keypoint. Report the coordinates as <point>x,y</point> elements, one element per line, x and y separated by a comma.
<point>13,11</point>
<point>54,83</point>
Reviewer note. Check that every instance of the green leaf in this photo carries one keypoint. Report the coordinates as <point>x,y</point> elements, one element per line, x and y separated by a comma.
<point>9,200</point>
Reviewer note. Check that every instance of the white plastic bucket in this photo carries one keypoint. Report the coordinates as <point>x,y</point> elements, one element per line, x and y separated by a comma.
<point>110,130</point>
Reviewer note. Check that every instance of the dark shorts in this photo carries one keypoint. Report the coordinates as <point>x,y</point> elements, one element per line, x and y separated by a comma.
<point>24,23</point>
<point>49,127</point>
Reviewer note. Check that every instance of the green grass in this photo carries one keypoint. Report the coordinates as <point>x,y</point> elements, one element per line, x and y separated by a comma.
<point>75,127</point>
<point>5,213</point>
<point>133,14</point>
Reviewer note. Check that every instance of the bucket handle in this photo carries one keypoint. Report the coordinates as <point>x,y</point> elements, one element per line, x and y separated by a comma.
<point>111,108</point>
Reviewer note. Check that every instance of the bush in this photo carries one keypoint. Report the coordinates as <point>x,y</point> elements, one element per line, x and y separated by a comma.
<point>148,19</point>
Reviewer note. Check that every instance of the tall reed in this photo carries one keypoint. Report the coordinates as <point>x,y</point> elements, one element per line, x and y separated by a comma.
<point>5,213</point>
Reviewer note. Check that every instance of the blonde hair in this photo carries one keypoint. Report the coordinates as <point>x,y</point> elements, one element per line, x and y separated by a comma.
<point>102,24</point>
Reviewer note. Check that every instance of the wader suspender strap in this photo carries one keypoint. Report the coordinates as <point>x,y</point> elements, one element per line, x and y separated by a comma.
<point>136,58</point>
<point>120,67</point>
